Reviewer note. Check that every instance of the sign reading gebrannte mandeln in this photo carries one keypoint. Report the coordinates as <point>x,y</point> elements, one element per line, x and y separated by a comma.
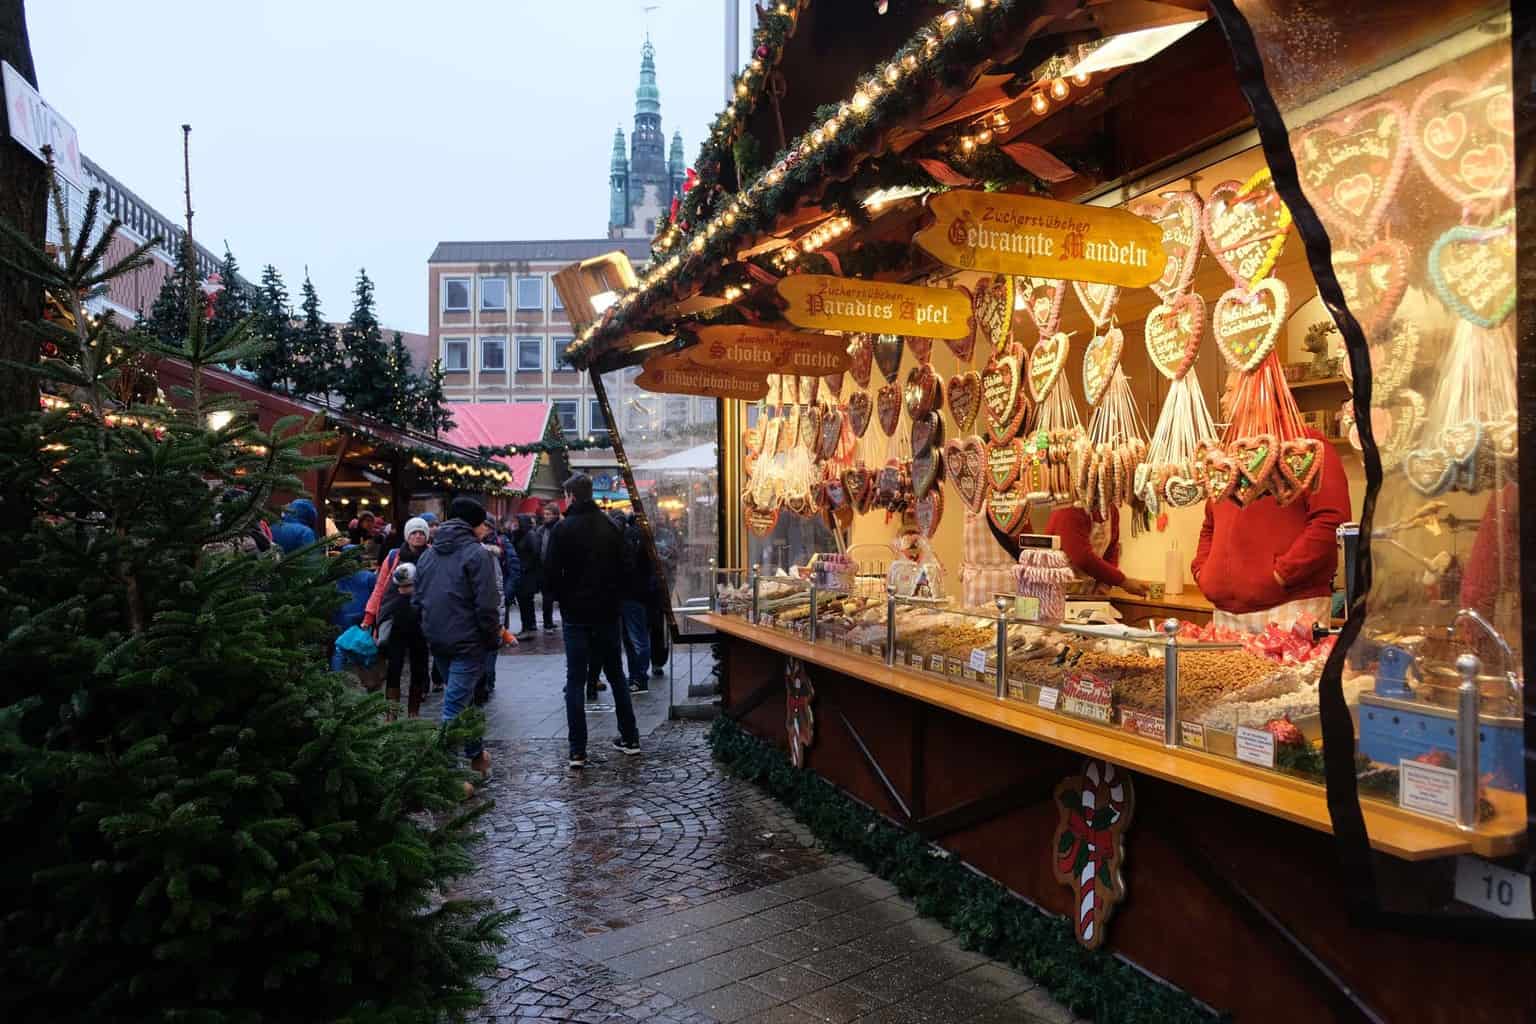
<point>669,378</point>
<point>1033,237</point>
<point>758,349</point>
<point>849,304</point>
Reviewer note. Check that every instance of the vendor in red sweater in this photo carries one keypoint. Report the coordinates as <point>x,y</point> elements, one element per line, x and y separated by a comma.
<point>1092,546</point>
<point>1261,563</point>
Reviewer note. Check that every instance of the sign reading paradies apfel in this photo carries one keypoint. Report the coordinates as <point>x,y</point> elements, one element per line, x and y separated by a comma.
<point>1029,236</point>
<point>673,379</point>
<point>756,349</point>
<point>848,304</point>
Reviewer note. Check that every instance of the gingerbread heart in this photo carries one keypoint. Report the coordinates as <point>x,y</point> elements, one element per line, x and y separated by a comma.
<point>888,354</point>
<point>1007,510</point>
<point>1462,441</point>
<point>1182,491</point>
<point>1172,334</point>
<point>761,521</point>
<point>833,382</point>
<point>1003,463</point>
<point>1254,457</point>
<point>859,409</point>
<point>1246,225</point>
<point>888,407</point>
<point>1246,324</point>
<point>1097,299</point>
<point>861,351</point>
<point>1100,360</point>
<point>1041,299</point>
<point>927,470</point>
<point>1462,139</point>
<point>928,511</point>
<point>965,399</point>
<point>965,347</point>
<point>992,306</point>
<point>806,388</point>
<point>810,428</point>
<point>891,484</point>
<point>1301,458</point>
<point>1002,395</point>
<point>1373,280</point>
<point>922,391</point>
<point>927,432</point>
<point>1473,270</point>
<point>1350,165</point>
<point>1045,364</point>
<point>830,434</point>
<point>965,463</point>
<point>1504,437</point>
<point>921,348</point>
<point>1429,472</point>
<point>834,495</point>
<point>1220,474</point>
<point>859,484</point>
<point>1178,215</point>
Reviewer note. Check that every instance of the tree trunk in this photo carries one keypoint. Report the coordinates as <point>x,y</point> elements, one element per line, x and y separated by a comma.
<point>23,203</point>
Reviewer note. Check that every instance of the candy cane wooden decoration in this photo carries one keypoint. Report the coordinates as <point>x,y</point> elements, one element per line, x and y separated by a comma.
<point>799,719</point>
<point>1095,808</point>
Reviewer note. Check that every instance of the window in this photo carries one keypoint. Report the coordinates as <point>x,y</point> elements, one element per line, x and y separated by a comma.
<point>455,355</point>
<point>595,422</point>
<point>530,293</point>
<point>677,412</point>
<point>455,295</point>
<point>493,294</point>
<point>558,344</point>
<point>565,412</point>
<point>493,354</point>
<point>530,353</point>
<point>555,302</point>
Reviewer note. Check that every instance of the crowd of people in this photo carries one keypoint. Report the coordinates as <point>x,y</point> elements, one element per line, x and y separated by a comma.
<point>440,604</point>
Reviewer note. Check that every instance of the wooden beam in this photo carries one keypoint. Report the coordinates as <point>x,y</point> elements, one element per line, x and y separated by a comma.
<point>982,809</point>
<point>885,781</point>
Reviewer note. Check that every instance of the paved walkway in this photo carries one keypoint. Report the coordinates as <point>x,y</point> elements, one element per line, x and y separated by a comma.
<point>661,889</point>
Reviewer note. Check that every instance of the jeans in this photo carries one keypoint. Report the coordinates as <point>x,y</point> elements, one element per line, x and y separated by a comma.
<point>462,672</point>
<point>594,643</point>
<point>549,609</point>
<point>637,642</point>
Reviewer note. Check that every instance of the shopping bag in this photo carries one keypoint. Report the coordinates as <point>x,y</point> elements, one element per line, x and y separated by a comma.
<point>356,646</point>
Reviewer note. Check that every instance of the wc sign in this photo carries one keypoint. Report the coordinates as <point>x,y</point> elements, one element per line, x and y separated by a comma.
<point>34,124</point>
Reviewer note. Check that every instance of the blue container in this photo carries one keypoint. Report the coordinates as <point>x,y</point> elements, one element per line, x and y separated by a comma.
<point>1392,730</point>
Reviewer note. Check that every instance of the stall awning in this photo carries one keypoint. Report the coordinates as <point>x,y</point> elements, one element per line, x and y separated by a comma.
<point>496,425</point>
<point>699,457</point>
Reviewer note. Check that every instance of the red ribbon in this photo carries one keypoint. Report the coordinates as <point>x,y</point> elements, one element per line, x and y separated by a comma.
<point>1099,840</point>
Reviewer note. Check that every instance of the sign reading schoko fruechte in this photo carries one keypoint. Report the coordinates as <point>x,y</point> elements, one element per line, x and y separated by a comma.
<point>1029,236</point>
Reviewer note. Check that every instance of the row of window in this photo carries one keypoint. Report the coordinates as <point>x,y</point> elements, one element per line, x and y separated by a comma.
<point>529,353</point>
<point>458,297</point>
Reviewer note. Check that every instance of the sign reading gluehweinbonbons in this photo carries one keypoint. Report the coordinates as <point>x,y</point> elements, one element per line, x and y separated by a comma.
<point>1029,236</point>
<point>757,349</point>
<point>669,377</point>
<point>849,304</point>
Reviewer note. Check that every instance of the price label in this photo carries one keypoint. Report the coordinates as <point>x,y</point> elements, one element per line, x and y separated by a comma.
<point>1489,887</point>
<point>936,663</point>
<point>1256,746</point>
<point>954,667</point>
<point>1143,724</point>
<point>1427,788</point>
<point>1049,697</point>
<point>978,659</point>
<point>1027,608</point>
<point>1192,734</point>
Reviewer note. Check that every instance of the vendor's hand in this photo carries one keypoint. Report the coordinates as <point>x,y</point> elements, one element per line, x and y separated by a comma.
<point>1136,587</point>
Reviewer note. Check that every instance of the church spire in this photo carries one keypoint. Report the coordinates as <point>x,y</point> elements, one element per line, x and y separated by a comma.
<point>647,146</point>
<point>647,95</point>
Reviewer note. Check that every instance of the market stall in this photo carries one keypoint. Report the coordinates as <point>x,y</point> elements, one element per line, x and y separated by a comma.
<point>1128,469</point>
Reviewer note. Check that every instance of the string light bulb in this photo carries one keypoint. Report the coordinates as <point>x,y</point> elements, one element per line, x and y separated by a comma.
<point>892,75</point>
<point>1059,89</point>
<point>984,136</point>
<point>1082,78</point>
<point>1039,104</point>
<point>967,144</point>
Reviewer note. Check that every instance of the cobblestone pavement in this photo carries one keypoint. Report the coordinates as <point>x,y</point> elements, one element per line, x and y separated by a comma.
<point>661,889</point>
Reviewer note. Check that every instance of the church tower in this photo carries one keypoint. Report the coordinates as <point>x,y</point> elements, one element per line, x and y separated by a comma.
<point>618,180</point>
<point>641,187</point>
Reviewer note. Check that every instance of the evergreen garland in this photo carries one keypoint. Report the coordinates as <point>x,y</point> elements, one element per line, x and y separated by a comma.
<point>544,447</point>
<point>986,917</point>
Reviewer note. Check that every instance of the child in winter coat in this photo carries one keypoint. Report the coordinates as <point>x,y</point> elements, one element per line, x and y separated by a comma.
<point>400,638</point>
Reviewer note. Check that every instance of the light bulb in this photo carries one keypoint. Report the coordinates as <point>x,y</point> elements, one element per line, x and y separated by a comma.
<point>1059,89</point>
<point>1081,78</point>
<point>984,136</point>
<point>892,73</point>
<point>967,144</point>
<point>1039,104</point>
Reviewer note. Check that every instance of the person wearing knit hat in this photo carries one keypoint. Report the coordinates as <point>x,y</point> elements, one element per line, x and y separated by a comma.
<point>404,641</point>
<point>417,534</point>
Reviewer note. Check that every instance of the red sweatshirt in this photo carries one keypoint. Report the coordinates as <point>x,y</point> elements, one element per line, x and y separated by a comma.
<point>1242,549</point>
<point>1073,526</point>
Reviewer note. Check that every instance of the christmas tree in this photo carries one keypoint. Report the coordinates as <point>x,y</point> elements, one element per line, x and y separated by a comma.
<point>317,359</point>
<point>231,304</point>
<point>429,406</point>
<point>368,383</point>
<point>272,326</point>
<point>201,822</point>
<point>179,295</point>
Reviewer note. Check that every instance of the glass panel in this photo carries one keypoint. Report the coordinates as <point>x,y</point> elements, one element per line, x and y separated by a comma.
<point>493,293</point>
<point>940,641</point>
<point>530,353</point>
<point>493,354</point>
<point>530,293</point>
<point>565,411</point>
<point>456,294</point>
<point>456,354</point>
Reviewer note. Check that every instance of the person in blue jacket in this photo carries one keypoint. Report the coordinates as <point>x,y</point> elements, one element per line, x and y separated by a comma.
<point>297,529</point>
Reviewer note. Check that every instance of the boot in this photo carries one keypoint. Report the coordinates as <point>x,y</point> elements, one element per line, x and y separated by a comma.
<point>393,696</point>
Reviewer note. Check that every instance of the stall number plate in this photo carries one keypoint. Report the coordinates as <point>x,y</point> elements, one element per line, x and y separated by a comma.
<point>1489,887</point>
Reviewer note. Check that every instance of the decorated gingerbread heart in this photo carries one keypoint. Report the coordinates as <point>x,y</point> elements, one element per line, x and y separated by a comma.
<point>928,510</point>
<point>833,494</point>
<point>992,306</point>
<point>927,470</point>
<point>965,399</point>
<point>1429,471</point>
<point>1042,298</point>
<point>1178,215</point>
<point>1219,472</point>
<point>921,393</point>
<point>888,407</point>
<point>965,463</point>
<point>1100,360</point>
<point>1351,164</point>
<point>1301,459</point>
<point>1002,394</point>
<point>1246,324</point>
<point>965,347</point>
<point>1255,458</point>
<point>921,348</point>
<point>1098,300</point>
<point>859,483</point>
<point>888,348</point>
<point>861,351</point>
<point>1462,134</point>
<point>832,383</point>
<point>1003,463</point>
<point>830,434</point>
<point>1007,510</point>
<point>1373,280</point>
<point>761,521</point>
<point>1473,270</point>
<point>1182,491</point>
<point>1172,334</point>
<point>859,409</point>
<point>1045,364</point>
<point>927,432</point>
<point>1246,225</point>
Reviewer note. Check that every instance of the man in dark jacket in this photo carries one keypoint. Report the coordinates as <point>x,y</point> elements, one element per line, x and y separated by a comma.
<point>583,569</point>
<point>460,610</point>
<point>639,590</point>
<point>549,519</point>
<point>528,544</point>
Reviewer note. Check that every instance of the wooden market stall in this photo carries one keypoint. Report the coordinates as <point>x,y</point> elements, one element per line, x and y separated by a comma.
<point>1152,262</point>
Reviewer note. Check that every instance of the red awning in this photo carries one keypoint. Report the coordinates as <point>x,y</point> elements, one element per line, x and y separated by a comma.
<point>494,425</point>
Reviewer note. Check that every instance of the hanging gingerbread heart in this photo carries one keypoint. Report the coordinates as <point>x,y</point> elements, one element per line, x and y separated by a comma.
<point>921,348</point>
<point>861,351</point>
<point>1373,280</point>
<point>1100,359</point>
<point>888,407</point>
<point>761,521</point>
<point>1045,364</point>
<point>1246,324</point>
<point>1301,459</point>
<point>1042,298</point>
<point>1462,135</point>
<point>1473,270</point>
<point>1003,464</point>
<point>888,354</point>
<point>1429,471</point>
<point>1098,300</point>
<point>806,389</point>
<point>965,399</point>
<point>833,382</point>
<point>1255,457</point>
<point>1007,510</point>
<point>965,347</point>
<point>891,483</point>
<point>830,434</point>
<point>1172,334</point>
<point>927,470</point>
<point>928,511</point>
<point>1351,164</point>
<point>1178,215</point>
<point>1002,394</point>
<point>921,393</point>
<point>966,465</point>
<point>992,307</point>
<point>1182,491</point>
<point>1219,472</point>
<point>859,408</point>
<point>810,428</point>
<point>859,484</point>
<point>927,432</point>
<point>1246,225</point>
<point>833,494</point>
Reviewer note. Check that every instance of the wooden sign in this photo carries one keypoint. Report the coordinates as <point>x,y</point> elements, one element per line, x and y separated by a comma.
<point>671,379</point>
<point>753,349</point>
<point>1030,236</point>
<point>827,303</point>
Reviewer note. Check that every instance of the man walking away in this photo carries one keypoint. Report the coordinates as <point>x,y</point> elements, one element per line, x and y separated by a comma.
<point>526,542</point>
<point>551,517</point>
<point>582,568</point>
<point>639,584</point>
<point>460,607</point>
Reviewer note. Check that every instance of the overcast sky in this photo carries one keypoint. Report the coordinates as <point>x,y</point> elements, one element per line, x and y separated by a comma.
<point>343,134</point>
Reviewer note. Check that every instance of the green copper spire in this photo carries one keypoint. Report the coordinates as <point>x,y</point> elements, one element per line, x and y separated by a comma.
<point>647,96</point>
<point>620,161</point>
<point>675,157</point>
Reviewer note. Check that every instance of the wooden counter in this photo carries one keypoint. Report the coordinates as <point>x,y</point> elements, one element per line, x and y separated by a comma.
<point>1392,830</point>
<point>1190,606</point>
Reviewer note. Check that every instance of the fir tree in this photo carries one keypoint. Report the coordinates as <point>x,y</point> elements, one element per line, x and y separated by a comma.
<point>179,295</point>
<point>231,304</point>
<point>272,326</point>
<point>317,361</point>
<point>429,407</point>
<point>202,823</point>
<point>368,383</point>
